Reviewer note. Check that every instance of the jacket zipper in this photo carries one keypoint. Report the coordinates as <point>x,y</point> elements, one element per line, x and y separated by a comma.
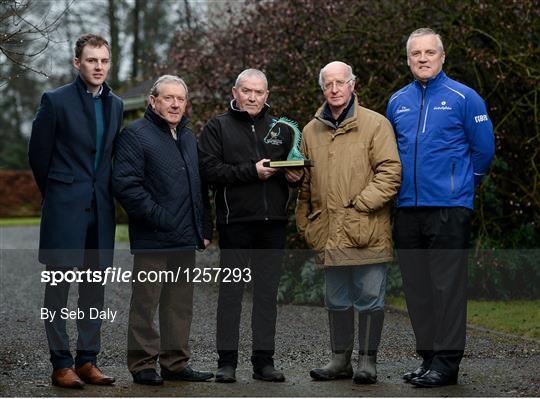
<point>453,173</point>
<point>226,205</point>
<point>264,183</point>
<point>416,147</point>
<point>288,199</point>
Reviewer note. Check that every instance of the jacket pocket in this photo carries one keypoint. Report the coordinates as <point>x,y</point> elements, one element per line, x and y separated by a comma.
<point>63,177</point>
<point>316,233</point>
<point>358,228</point>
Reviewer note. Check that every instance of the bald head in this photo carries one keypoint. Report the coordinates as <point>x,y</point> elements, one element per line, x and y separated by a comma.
<point>337,83</point>
<point>333,68</point>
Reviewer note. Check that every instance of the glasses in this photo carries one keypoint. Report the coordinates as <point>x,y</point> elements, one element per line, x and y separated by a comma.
<point>338,83</point>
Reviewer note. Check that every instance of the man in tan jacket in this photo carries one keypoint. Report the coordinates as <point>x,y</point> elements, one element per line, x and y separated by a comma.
<point>343,211</point>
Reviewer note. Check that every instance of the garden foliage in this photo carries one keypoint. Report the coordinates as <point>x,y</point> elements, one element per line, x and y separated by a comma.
<point>492,46</point>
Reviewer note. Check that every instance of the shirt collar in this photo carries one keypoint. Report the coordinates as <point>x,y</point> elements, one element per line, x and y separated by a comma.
<point>99,92</point>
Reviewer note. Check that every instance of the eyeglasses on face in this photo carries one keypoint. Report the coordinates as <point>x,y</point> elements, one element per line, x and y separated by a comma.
<point>338,83</point>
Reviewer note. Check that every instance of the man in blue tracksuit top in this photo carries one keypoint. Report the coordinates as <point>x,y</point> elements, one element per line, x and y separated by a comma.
<point>446,144</point>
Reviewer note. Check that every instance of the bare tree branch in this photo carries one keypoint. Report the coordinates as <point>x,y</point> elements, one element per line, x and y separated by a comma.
<point>22,40</point>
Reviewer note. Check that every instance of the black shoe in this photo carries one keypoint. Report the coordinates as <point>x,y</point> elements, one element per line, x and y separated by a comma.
<point>419,372</point>
<point>188,374</point>
<point>147,377</point>
<point>434,378</point>
<point>268,373</point>
<point>226,374</point>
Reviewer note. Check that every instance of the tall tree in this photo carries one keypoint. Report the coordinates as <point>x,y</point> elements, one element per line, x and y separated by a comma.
<point>115,42</point>
<point>136,18</point>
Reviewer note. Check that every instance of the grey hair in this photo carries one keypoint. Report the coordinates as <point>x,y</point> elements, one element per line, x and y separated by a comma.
<point>154,91</point>
<point>249,73</point>
<point>323,70</point>
<point>424,32</point>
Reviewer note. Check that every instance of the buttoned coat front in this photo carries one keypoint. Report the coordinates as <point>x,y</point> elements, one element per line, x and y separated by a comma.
<point>61,153</point>
<point>343,207</point>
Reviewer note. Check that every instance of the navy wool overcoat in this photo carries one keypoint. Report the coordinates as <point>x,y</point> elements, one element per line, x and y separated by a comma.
<point>62,152</point>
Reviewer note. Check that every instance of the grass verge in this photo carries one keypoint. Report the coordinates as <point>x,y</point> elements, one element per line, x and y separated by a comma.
<point>121,229</point>
<point>19,221</point>
<point>122,234</point>
<point>513,317</point>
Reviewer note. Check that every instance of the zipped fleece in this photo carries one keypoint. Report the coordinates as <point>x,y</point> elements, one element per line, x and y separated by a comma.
<point>229,147</point>
<point>445,142</point>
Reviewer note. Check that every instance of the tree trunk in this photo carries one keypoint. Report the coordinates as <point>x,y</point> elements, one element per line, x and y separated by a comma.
<point>187,10</point>
<point>115,45</point>
<point>136,40</point>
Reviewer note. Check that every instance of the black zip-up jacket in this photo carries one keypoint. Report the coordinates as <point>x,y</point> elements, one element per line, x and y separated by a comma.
<point>156,179</point>
<point>229,147</point>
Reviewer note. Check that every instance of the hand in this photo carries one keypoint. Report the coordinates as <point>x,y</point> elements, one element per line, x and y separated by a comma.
<point>294,175</point>
<point>263,172</point>
<point>206,243</point>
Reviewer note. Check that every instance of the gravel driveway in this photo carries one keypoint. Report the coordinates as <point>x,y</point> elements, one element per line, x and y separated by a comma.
<point>494,364</point>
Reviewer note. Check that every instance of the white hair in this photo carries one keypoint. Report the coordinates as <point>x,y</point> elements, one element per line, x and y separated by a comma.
<point>323,70</point>
<point>249,73</point>
<point>424,32</point>
<point>154,91</point>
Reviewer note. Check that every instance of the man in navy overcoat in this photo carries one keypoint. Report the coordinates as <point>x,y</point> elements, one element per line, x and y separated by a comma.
<point>70,154</point>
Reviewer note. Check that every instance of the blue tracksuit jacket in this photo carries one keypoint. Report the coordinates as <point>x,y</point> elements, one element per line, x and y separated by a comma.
<point>445,142</point>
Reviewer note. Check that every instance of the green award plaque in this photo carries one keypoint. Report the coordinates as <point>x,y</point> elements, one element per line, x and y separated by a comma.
<point>295,159</point>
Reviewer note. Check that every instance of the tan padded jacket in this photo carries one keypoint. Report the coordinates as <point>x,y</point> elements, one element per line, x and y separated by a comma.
<point>343,208</point>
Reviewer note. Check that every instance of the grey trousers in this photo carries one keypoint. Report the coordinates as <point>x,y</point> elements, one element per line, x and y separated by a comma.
<point>169,345</point>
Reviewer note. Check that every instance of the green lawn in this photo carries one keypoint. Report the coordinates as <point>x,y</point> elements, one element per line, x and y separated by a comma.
<point>122,234</point>
<point>513,317</point>
<point>19,221</point>
<point>121,229</point>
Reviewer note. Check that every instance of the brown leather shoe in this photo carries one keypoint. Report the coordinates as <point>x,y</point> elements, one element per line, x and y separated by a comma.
<point>93,375</point>
<point>66,378</point>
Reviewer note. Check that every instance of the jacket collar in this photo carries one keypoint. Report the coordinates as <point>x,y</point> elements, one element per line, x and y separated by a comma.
<point>326,113</point>
<point>244,115</point>
<point>352,112</point>
<point>105,89</point>
<point>434,82</point>
<point>161,123</point>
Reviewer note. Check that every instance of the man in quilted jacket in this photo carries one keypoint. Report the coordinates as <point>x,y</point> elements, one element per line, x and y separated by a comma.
<point>156,179</point>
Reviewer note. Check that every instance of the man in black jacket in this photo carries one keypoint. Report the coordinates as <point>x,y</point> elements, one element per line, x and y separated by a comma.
<point>156,179</point>
<point>251,207</point>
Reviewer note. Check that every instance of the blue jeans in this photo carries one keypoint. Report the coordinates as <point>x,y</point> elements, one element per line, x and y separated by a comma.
<point>360,286</point>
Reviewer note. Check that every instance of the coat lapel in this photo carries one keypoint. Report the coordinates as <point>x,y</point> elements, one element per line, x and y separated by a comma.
<point>108,111</point>
<point>88,108</point>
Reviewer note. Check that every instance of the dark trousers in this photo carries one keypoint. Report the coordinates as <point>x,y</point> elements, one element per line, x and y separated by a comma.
<point>259,247</point>
<point>432,246</point>
<point>91,295</point>
<point>175,301</point>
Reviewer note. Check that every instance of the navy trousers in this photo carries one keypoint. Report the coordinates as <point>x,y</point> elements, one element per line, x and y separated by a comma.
<point>91,295</point>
